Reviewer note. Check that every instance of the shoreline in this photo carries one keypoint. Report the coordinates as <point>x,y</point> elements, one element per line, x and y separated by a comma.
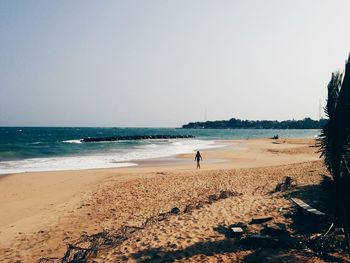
<point>175,159</point>
<point>55,209</point>
<point>107,165</point>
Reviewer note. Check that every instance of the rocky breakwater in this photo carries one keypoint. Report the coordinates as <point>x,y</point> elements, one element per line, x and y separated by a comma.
<point>135,137</point>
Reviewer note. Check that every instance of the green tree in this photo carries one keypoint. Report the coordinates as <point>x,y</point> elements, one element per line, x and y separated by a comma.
<point>335,143</point>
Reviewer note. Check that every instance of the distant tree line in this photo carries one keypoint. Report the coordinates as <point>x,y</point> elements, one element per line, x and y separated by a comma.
<point>306,123</point>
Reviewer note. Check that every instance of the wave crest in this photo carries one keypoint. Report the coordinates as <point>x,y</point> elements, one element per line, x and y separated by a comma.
<point>72,141</point>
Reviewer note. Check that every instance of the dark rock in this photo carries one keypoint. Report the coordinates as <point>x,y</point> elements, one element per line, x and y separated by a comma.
<point>287,184</point>
<point>175,210</point>
<point>260,220</point>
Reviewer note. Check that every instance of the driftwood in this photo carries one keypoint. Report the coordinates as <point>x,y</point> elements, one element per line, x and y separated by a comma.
<point>304,207</point>
<point>87,247</point>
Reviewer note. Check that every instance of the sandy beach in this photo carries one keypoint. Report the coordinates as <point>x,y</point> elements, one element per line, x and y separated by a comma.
<point>168,131</point>
<point>41,213</point>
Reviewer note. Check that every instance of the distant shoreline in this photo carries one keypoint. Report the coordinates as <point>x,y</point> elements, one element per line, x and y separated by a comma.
<point>306,123</point>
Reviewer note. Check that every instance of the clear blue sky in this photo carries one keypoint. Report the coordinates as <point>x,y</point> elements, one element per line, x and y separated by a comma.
<point>162,63</point>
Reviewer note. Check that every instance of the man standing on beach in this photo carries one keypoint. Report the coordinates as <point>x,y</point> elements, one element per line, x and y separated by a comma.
<point>198,158</point>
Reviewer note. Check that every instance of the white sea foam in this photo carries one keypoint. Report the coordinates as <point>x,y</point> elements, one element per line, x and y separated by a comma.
<point>116,158</point>
<point>72,141</point>
<point>61,163</point>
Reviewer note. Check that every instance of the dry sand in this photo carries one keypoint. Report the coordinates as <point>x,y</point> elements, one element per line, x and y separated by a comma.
<point>40,213</point>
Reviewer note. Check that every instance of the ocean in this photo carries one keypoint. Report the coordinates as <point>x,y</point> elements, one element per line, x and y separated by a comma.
<point>28,149</point>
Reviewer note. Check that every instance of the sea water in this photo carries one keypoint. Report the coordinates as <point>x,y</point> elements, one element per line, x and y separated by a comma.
<point>27,149</point>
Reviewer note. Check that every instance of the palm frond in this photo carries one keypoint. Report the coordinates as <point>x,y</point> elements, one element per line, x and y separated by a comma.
<point>327,142</point>
<point>333,93</point>
<point>342,110</point>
